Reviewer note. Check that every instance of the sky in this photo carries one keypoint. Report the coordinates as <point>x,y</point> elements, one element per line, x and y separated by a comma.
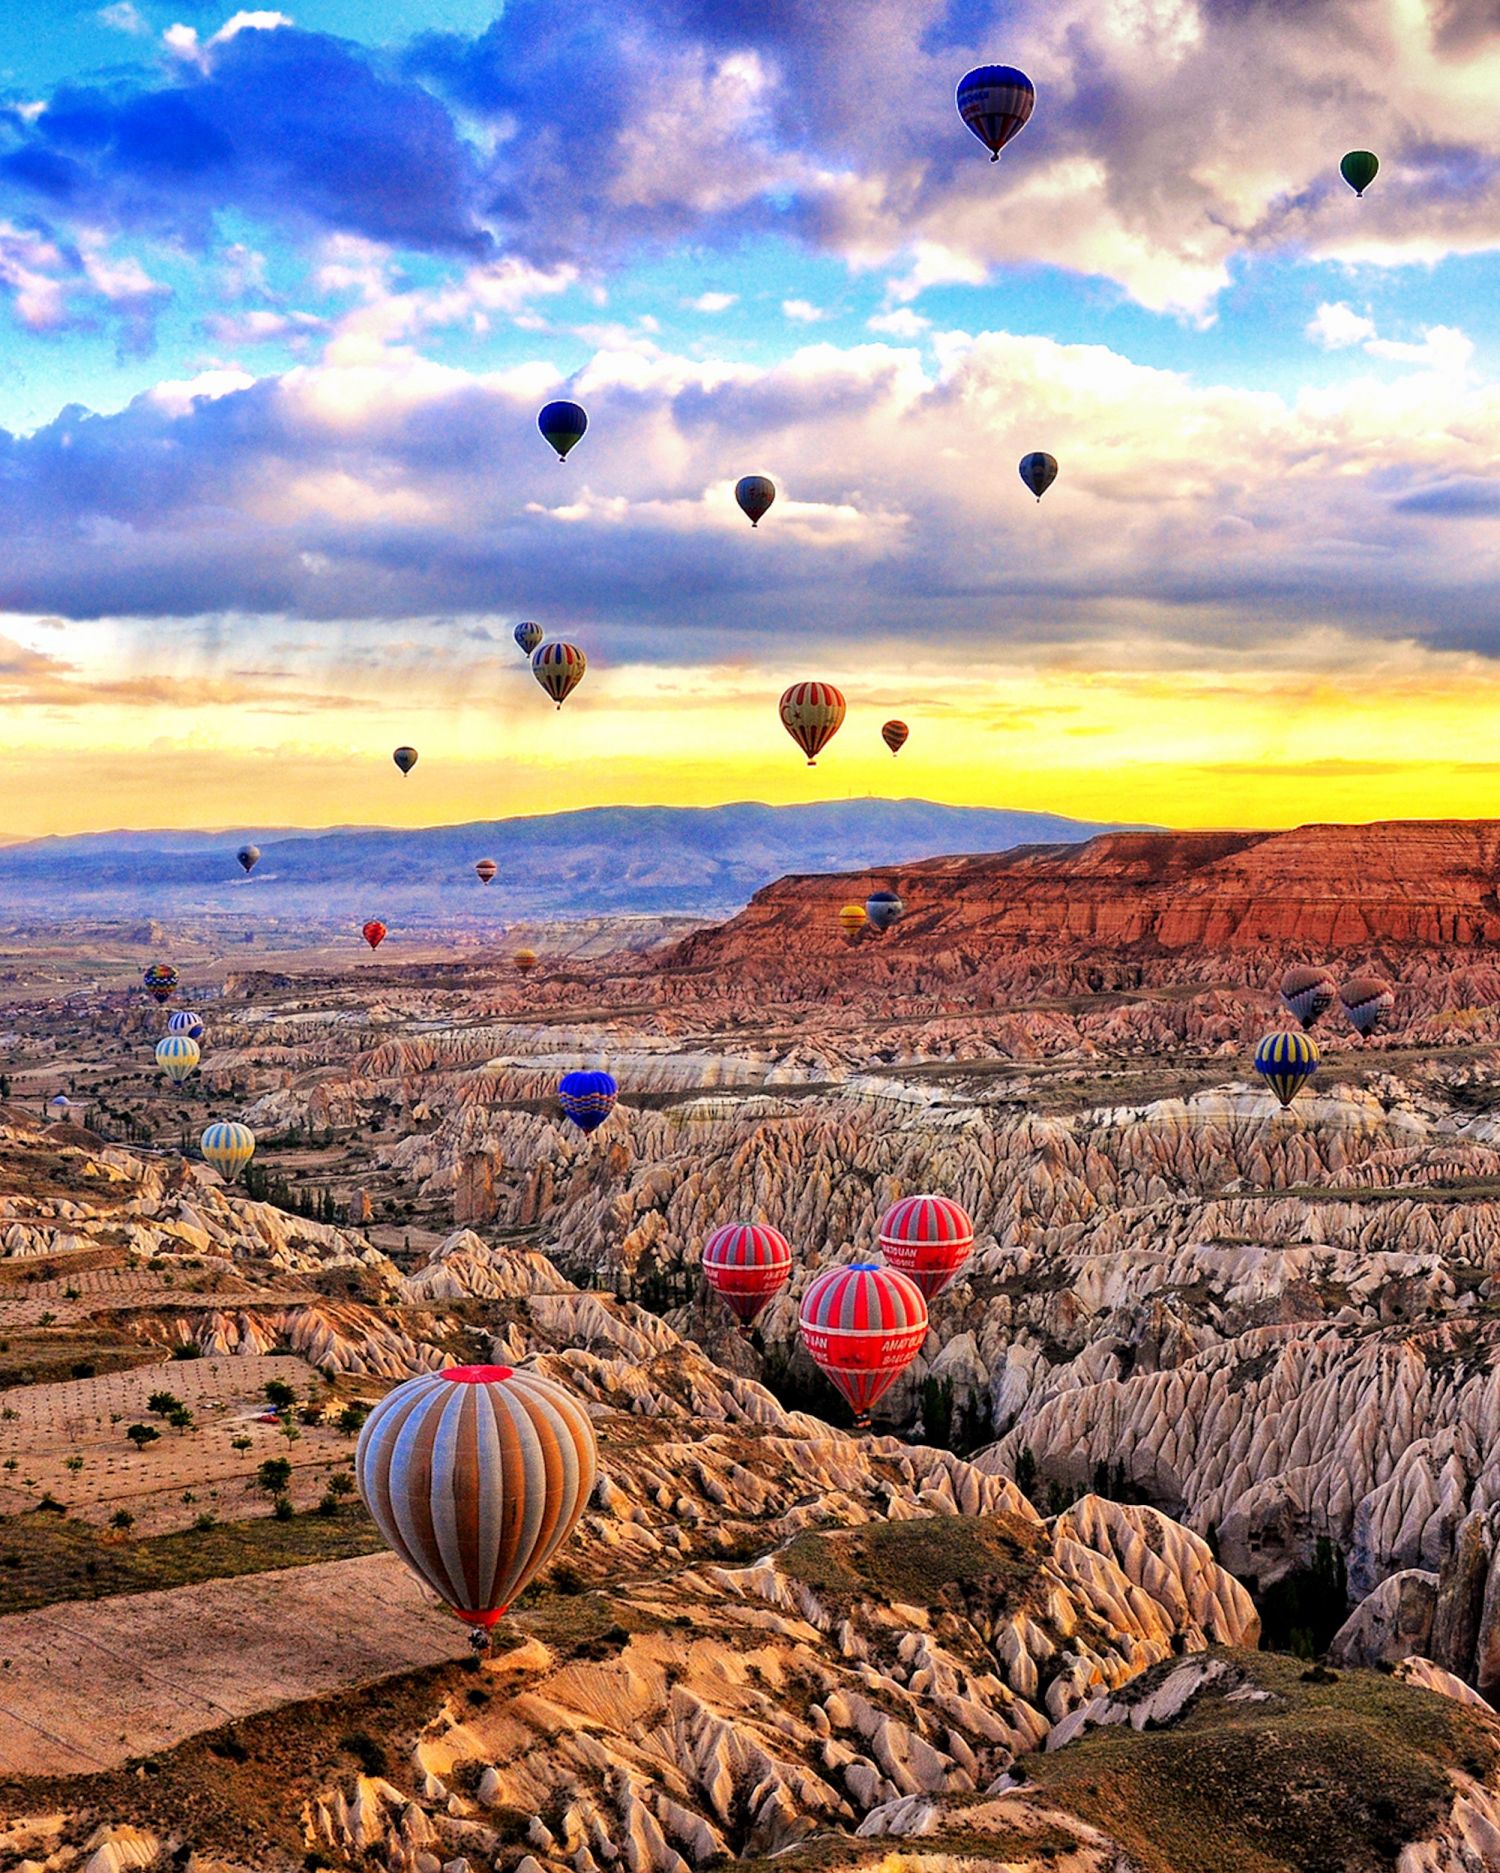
<point>281,292</point>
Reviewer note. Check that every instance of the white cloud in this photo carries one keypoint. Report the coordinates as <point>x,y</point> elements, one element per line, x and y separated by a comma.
<point>713,302</point>
<point>1444,349</point>
<point>123,17</point>
<point>902,323</point>
<point>802,311</point>
<point>1335,326</point>
<point>183,42</point>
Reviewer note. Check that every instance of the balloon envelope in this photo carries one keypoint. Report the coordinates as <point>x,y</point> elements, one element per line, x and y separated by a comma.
<point>1367,1001</point>
<point>1359,169</point>
<point>755,493</point>
<point>995,101</point>
<point>486,869</point>
<point>559,669</point>
<point>185,1021</point>
<point>883,908</point>
<point>1308,992</point>
<point>812,714</point>
<point>745,1264</point>
<point>228,1146</point>
<point>562,424</point>
<point>852,919</point>
<point>405,759</point>
<point>475,1476</point>
<point>373,933</point>
<point>862,1327</point>
<point>928,1239</point>
<point>525,961</point>
<point>177,1055</point>
<point>894,734</point>
<point>1286,1061</point>
<point>1039,471</point>
<point>160,981</point>
<point>528,636</point>
<point>248,856</point>
<point>587,1098</point>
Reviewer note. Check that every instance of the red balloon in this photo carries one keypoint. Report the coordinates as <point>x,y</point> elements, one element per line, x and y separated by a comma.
<point>745,1264</point>
<point>863,1326</point>
<point>929,1239</point>
<point>374,934</point>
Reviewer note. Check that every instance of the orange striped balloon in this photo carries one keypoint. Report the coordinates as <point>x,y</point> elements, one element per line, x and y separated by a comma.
<point>476,1476</point>
<point>894,735</point>
<point>812,714</point>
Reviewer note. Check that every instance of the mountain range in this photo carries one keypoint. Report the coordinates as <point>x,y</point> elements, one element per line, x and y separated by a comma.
<point>695,860</point>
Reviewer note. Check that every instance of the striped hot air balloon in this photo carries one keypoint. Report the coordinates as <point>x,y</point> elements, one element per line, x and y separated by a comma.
<point>228,1146</point>
<point>745,1264</point>
<point>528,636</point>
<point>862,1326</point>
<point>1307,992</point>
<point>485,870</point>
<point>894,734</point>
<point>177,1055</point>
<point>476,1476</point>
<point>373,933</point>
<point>587,1098</point>
<point>525,961</point>
<point>160,981</point>
<point>559,669</point>
<point>852,919</point>
<point>995,101</point>
<point>1286,1060</point>
<point>185,1021</point>
<point>755,493</point>
<point>812,714</point>
<point>928,1239</point>
<point>1367,1001</point>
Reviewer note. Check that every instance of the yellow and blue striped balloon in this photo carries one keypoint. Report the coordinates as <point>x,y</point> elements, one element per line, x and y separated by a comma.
<point>228,1147</point>
<point>1287,1060</point>
<point>177,1055</point>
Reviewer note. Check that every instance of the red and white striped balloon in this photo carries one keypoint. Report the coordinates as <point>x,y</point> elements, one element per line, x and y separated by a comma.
<point>746,1264</point>
<point>927,1238</point>
<point>862,1326</point>
<point>476,1476</point>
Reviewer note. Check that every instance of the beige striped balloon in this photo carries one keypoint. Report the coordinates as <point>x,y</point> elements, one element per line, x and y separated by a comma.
<point>476,1476</point>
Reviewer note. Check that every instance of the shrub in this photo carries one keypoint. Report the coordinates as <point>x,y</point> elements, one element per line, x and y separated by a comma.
<point>280,1395</point>
<point>142,1434</point>
<point>283,1510</point>
<point>274,1475</point>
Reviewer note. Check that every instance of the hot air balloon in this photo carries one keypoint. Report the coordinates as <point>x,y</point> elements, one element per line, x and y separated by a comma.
<point>894,734</point>
<point>528,636</point>
<point>1359,169</point>
<point>862,1327</point>
<point>476,1476</point>
<point>883,908</point>
<point>586,1098</point>
<point>1038,471</point>
<point>755,494</point>
<point>559,669</point>
<point>373,933</point>
<point>995,101</point>
<point>812,714</point>
<point>249,857</point>
<point>1287,1060</point>
<point>486,869</point>
<point>927,1239</point>
<point>184,1021</point>
<point>405,758</point>
<point>228,1146</point>
<point>1367,1001</point>
<point>563,425</point>
<point>745,1264</point>
<point>525,961</point>
<point>61,1108</point>
<point>852,919</point>
<point>160,981</point>
<point>177,1055</point>
<point>1308,992</point>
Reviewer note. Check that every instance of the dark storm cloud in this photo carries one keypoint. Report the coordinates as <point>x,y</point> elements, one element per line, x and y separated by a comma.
<point>1458,499</point>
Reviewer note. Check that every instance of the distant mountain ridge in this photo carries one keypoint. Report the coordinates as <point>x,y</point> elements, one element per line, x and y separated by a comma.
<point>694,860</point>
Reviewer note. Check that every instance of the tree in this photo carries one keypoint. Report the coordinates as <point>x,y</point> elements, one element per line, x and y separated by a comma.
<point>274,1475</point>
<point>163,1403</point>
<point>1025,1471</point>
<point>352,1417</point>
<point>122,1519</point>
<point>142,1434</point>
<point>280,1395</point>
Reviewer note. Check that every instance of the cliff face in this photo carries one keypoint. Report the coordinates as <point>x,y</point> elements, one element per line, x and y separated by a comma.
<point>1318,889</point>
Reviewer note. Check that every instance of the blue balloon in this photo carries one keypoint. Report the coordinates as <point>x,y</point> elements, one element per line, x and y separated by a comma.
<point>587,1098</point>
<point>996,101</point>
<point>563,425</point>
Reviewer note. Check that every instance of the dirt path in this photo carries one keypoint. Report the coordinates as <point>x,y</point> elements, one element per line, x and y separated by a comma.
<point>86,1685</point>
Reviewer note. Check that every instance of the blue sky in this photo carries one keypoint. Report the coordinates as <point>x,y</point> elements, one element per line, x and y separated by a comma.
<point>281,288</point>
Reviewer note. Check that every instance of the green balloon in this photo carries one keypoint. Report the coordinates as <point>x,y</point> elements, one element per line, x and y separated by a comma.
<point>1359,169</point>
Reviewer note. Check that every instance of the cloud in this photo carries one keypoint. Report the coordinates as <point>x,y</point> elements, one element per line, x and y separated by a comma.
<point>902,323</point>
<point>802,311</point>
<point>123,18</point>
<point>1337,326</point>
<point>713,302</point>
<point>56,285</point>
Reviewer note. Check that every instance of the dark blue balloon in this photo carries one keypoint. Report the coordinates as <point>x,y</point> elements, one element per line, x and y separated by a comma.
<point>563,424</point>
<point>587,1098</point>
